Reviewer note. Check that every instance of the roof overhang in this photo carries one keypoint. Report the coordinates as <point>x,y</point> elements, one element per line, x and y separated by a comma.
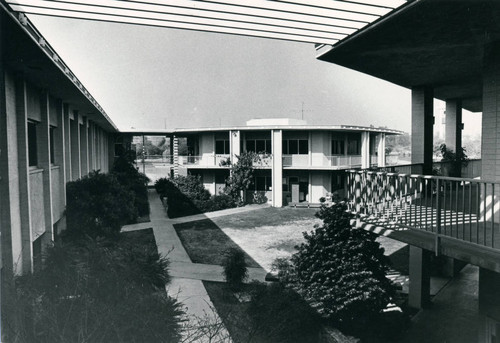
<point>27,53</point>
<point>436,43</point>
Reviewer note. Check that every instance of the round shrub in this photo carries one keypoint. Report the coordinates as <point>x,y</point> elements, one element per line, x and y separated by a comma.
<point>234,268</point>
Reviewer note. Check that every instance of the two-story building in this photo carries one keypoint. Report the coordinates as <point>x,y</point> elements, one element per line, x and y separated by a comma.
<point>298,162</point>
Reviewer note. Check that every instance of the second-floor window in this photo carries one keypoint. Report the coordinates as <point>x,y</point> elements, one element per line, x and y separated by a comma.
<point>258,145</point>
<point>222,147</point>
<point>295,147</point>
<point>338,147</point>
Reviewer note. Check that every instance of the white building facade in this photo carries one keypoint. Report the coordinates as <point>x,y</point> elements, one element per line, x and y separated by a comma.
<point>299,163</point>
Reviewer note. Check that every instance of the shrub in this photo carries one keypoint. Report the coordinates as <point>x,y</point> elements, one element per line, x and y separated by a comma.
<point>96,291</point>
<point>186,195</point>
<point>234,267</point>
<point>281,315</point>
<point>129,177</point>
<point>98,205</point>
<point>341,271</point>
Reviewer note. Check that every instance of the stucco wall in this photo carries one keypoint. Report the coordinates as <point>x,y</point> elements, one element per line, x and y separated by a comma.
<point>33,103</point>
<point>36,202</point>
<point>320,148</point>
<point>320,185</point>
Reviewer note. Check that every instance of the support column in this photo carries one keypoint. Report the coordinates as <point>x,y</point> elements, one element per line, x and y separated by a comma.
<point>45,164</point>
<point>75,147</point>
<point>365,150</point>
<point>420,281</point>
<point>381,151</point>
<point>84,146</point>
<point>490,135</point>
<point>67,143</point>
<point>277,171</point>
<point>91,145</point>
<point>234,145</point>
<point>60,151</point>
<point>489,305</point>
<point>422,121</point>
<point>453,126</point>
<point>176,156</point>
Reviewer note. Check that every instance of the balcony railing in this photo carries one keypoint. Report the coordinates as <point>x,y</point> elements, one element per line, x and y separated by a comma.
<point>204,160</point>
<point>464,209</point>
<point>295,160</point>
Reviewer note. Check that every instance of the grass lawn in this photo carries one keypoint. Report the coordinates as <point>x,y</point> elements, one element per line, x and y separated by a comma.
<point>140,240</point>
<point>205,242</point>
<point>263,234</point>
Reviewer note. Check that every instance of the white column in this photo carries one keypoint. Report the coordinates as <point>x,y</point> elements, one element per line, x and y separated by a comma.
<point>453,126</point>
<point>277,171</point>
<point>234,145</point>
<point>365,150</point>
<point>44,163</point>
<point>381,150</point>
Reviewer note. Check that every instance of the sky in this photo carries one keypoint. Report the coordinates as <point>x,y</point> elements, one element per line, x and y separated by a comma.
<point>150,78</point>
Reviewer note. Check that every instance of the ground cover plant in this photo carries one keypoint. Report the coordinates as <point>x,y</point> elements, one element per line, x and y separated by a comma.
<point>274,314</point>
<point>186,195</point>
<point>97,290</point>
<point>205,242</point>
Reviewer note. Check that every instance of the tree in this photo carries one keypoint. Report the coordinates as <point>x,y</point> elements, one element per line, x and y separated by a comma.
<point>453,160</point>
<point>242,175</point>
<point>341,271</point>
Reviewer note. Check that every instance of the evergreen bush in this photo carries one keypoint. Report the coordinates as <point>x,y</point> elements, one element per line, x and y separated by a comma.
<point>98,205</point>
<point>341,271</point>
<point>234,268</point>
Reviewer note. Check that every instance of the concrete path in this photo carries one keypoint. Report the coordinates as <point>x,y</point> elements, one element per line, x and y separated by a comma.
<point>186,285</point>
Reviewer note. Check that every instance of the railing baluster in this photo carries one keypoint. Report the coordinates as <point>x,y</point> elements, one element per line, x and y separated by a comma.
<point>470,212</point>
<point>456,208</point>
<point>478,209</point>
<point>444,205</point>
<point>438,216</point>
<point>492,215</point>
<point>484,211</point>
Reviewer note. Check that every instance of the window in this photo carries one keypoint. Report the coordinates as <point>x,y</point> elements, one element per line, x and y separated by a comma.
<point>263,183</point>
<point>259,145</point>
<point>32,142</point>
<point>354,145</point>
<point>295,147</point>
<point>51,142</point>
<point>338,147</point>
<point>222,147</point>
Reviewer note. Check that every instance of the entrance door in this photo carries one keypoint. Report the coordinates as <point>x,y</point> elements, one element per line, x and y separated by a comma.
<point>295,192</point>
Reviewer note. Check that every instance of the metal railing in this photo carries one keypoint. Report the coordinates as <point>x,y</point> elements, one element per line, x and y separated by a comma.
<point>207,160</point>
<point>323,161</point>
<point>344,161</point>
<point>465,209</point>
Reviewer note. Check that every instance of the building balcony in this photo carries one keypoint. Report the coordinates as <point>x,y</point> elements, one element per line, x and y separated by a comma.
<point>456,217</point>
<point>206,161</point>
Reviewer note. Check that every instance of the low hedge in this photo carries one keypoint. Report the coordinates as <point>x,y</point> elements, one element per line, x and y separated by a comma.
<point>186,196</point>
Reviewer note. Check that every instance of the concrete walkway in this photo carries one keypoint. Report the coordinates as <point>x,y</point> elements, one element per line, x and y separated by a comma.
<point>187,277</point>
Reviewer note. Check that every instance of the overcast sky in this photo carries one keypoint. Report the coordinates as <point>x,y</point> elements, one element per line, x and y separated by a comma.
<point>147,77</point>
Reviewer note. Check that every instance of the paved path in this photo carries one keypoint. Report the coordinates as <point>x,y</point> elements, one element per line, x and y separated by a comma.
<point>186,284</point>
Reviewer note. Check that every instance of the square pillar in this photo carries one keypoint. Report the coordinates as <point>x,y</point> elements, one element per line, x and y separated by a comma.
<point>67,143</point>
<point>84,146</point>
<point>234,145</point>
<point>489,305</point>
<point>453,124</point>
<point>490,135</point>
<point>420,280</point>
<point>422,121</point>
<point>277,171</point>
<point>60,150</point>
<point>365,150</point>
<point>381,151</point>
<point>44,147</point>
<point>75,147</point>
